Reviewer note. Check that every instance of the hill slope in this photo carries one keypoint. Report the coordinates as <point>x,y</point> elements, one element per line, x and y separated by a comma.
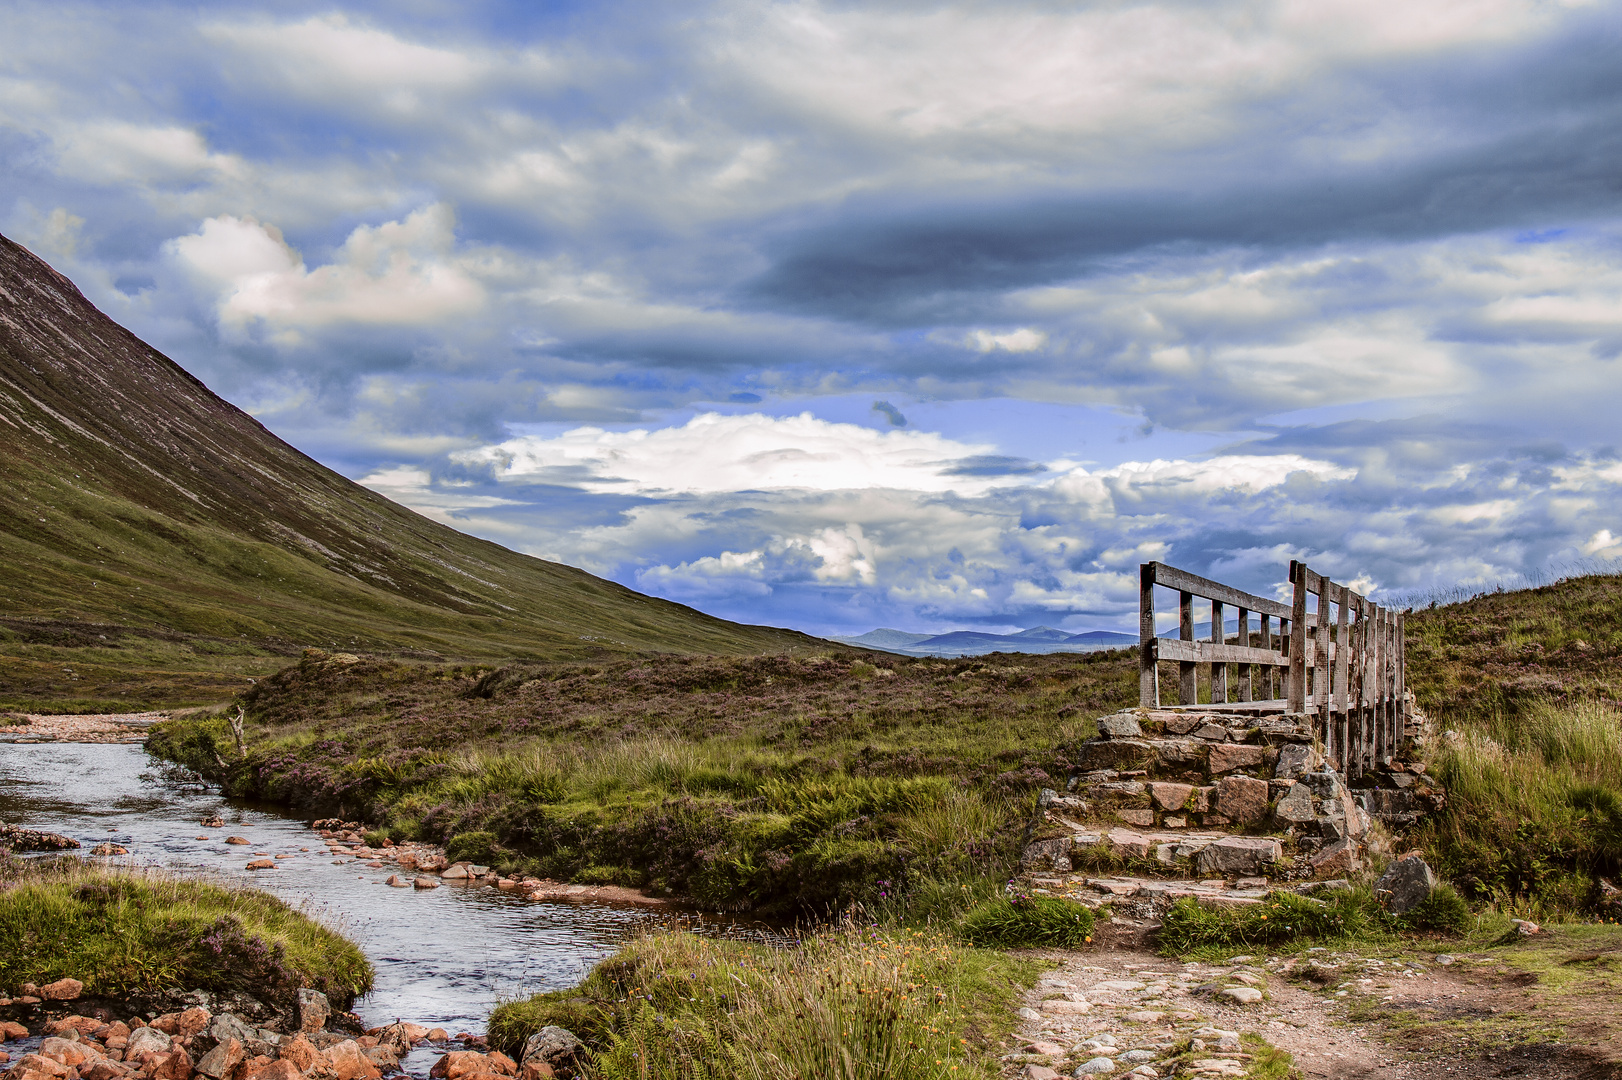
<point>141,509</point>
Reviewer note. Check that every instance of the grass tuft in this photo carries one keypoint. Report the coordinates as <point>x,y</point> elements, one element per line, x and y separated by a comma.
<point>1029,922</point>
<point>131,932</point>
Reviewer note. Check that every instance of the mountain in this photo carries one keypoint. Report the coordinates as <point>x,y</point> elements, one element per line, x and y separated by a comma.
<point>143,513</point>
<point>884,638</point>
<point>1038,639</point>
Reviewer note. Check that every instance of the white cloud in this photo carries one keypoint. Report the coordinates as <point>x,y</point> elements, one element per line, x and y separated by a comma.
<point>402,273</point>
<point>1022,340</point>
<point>117,152</point>
<point>714,453</point>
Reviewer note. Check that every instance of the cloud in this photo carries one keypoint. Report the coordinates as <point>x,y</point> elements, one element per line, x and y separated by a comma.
<point>634,287</point>
<point>399,274</point>
<point>890,413</point>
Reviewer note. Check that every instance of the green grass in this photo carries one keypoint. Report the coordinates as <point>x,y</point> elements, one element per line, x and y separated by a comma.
<point>849,1002</point>
<point>1028,922</point>
<point>127,932</point>
<point>777,783</point>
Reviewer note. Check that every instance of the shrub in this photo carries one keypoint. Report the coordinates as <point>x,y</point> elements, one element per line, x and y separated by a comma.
<point>1028,922</point>
<point>473,847</point>
<point>1444,910</point>
<point>1282,917</point>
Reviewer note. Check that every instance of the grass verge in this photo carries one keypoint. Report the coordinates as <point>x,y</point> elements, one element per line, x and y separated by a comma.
<point>128,933</point>
<point>772,783</point>
<point>847,1002</point>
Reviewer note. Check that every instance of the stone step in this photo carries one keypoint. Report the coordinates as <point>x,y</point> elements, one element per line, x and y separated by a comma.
<point>1315,803</point>
<point>1211,854</point>
<point>1094,890</point>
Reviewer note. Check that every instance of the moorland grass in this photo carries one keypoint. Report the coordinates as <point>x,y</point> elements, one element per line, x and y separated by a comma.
<point>775,783</point>
<point>850,1001</point>
<point>130,932</point>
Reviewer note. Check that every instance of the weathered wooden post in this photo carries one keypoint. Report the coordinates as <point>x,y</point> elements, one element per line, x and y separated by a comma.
<point>1148,663</point>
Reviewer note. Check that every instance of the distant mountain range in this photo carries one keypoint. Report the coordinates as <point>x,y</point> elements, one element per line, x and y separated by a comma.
<point>1038,639</point>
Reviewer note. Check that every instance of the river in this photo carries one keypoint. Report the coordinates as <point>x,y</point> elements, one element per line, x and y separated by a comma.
<point>444,957</point>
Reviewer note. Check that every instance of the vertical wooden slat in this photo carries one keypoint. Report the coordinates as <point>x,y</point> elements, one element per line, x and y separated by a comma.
<point>1266,642</point>
<point>1382,713</point>
<point>1400,650</point>
<point>1219,670</point>
<point>1187,688</point>
<point>1247,672</point>
<point>1321,683</point>
<point>1376,651</point>
<point>1296,693</point>
<point>1148,661</point>
<point>1283,669</point>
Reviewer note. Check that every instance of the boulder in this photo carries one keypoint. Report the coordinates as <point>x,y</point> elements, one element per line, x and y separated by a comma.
<point>62,990</point>
<point>261,864</point>
<point>1338,859</point>
<point>313,1011</point>
<point>146,1040</point>
<point>1121,725</point>
<point>501,1063</point>
<point>350,1063</point>
<point>425,883</point>
<point>536,1070</point>
<point>456,872</point>
<point>1226,757</point>
<point>281,1069</point>
<point>1295,808</point>
<point>10,1029</point>
<point>1039,1072</point>
<point>398,882</point>
<point>1294,759</point>
<point>553,1045</point>
<point>1126,844</point>
<point>175,1065</point>
<point>459,1064</point>
<point>1051,856</point>
<point>1170,796</point>
<point>237,840</point>
<point>102,1069</point>
<point>383,1057</point>
<point>1239,855</point>
<point>107,849</point>
<point>31,840</point>
<point>225,1026</point>
<point>1098,1066</point>
<point>1242,799</point>
<point>298,1050</point>
<point>1243,995</point>
<point>431,862</point>
<point>69,1052</point>
<point>1404,884</point>
<point>37,1065</point>
<point>1143,819</point>
<point>220,1062</point>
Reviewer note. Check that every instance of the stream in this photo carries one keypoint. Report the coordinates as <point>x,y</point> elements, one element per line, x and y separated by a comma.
<point>443,957</point>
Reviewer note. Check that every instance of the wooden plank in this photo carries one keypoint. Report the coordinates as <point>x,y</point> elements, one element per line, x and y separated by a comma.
<point>1382,652</point>
<point>1247,672</point>
<point>1188,692</point>
<point>1320,682</point>
<point>1148,670</point>
<point>1382,737</point>
<point>1340,672</point>
<point>1296,691</point>
<point>1399,649</point>
<point>1219,668</point>
<point>1208,652</point>
<point>1181,580</point>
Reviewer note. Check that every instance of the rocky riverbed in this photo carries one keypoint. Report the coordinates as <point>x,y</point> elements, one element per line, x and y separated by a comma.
<point>198,1043</point>
<point>109,728</point>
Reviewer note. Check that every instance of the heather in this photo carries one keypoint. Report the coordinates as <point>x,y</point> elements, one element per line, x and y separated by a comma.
<point>127,933</point>
<point>777,783</point>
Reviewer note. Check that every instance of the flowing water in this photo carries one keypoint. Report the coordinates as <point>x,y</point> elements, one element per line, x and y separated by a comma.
<point>444,957</point>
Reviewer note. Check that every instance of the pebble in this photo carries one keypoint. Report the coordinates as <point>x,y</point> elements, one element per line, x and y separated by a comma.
<point>1094,1067</point>
<point>1244,995</point>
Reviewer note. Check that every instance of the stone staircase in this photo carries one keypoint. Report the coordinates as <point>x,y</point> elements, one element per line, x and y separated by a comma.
<point>1219,803</point>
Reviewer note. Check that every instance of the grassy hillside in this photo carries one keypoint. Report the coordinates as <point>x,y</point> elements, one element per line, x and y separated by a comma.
<point>1526,686</point>
<point>773,782</point>
<point>163,545</point>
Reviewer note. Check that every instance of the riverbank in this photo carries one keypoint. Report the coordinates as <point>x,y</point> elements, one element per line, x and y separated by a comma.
<point>94,728</point>
<point>131,935</point>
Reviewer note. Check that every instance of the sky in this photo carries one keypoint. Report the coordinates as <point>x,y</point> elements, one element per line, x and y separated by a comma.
<point>838,316</point>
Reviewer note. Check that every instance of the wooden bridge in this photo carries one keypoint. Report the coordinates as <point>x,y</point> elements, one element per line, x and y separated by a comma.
<point>1331,653</point>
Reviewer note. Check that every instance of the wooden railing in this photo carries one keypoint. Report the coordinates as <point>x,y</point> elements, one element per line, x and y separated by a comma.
<point>1332,653</point>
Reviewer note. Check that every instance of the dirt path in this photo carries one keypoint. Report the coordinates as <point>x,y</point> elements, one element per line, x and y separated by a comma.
<point>1341,1015</point>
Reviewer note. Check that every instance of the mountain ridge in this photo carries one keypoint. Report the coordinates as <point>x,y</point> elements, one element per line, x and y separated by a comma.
<point>136,499</point>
